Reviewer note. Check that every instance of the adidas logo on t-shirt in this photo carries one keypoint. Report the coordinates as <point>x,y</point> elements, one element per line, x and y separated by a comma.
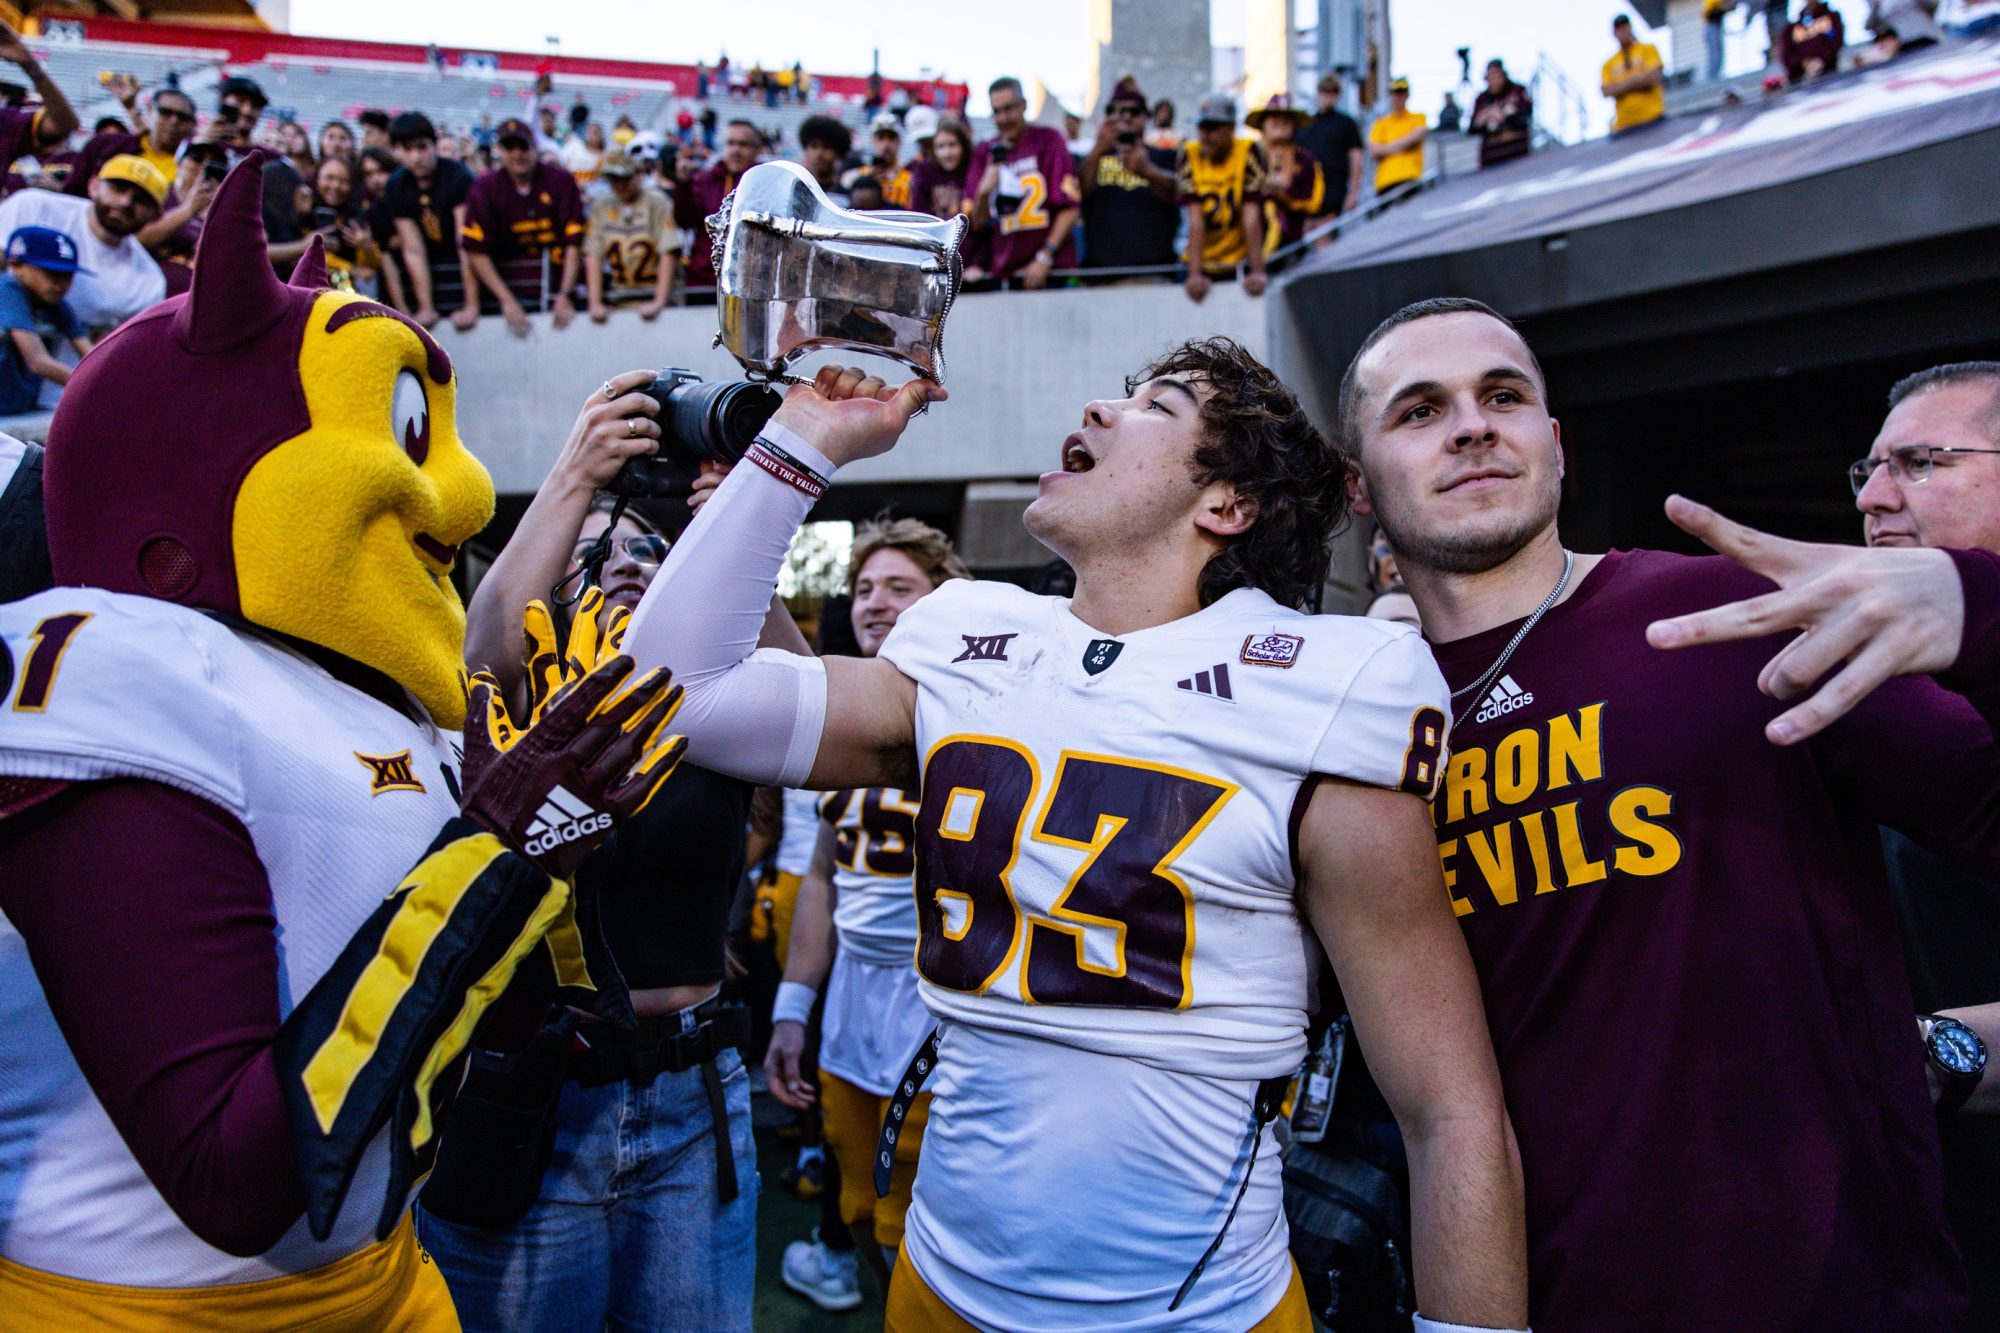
<point>1502,699</point>
<point>563,818</point>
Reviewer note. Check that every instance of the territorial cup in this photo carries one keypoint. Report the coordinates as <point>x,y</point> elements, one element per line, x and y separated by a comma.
<point>795,274</point>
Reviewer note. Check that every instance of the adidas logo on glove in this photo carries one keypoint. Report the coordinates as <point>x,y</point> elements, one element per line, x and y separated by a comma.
<point>563,818</point>
<point>1503,699</point>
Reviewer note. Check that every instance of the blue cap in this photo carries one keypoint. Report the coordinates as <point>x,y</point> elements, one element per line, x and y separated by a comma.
<point>43,248</point>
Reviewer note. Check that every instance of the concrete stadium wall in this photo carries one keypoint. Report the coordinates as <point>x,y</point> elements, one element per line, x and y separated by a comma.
<point>1020,367</point>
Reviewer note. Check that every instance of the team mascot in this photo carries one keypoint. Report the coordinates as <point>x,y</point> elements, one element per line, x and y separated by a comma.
<point>256,899</point>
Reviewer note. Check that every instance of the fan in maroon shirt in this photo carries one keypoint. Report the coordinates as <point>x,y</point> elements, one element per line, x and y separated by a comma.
<point>1670,881</point>
<point>523,209</point>
<point>1025,198</point>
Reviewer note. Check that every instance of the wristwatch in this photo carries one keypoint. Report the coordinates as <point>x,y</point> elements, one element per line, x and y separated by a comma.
<point>1958,1057</point>
<point>1046,256</point>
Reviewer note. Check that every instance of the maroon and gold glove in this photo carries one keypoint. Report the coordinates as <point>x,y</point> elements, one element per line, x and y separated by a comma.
<point>594,754</point>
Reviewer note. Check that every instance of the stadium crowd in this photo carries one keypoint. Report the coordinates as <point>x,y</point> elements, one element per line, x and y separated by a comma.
<point>594,1172</point>
<point>553,210</point>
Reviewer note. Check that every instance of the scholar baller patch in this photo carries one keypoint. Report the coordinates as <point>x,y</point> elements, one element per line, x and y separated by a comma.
<point>1275,650</point>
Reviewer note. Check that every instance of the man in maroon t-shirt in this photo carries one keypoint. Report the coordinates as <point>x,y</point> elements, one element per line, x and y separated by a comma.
<point>1666,863</point>
<point>699,192</point>
<point>523,209</point>
<point>1026,199</point>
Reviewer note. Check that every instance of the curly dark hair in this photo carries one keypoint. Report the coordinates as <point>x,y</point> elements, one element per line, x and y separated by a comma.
<point>1259,440</point>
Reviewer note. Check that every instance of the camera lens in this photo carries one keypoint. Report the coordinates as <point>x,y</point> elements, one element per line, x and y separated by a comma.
<point>719,420</point>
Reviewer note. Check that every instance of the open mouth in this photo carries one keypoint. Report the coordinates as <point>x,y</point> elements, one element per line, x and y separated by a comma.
<point>1076,456</point>
<point>435,549</point>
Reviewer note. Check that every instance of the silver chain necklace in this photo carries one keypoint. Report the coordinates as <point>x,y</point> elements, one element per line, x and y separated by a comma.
<point>1478,687</point>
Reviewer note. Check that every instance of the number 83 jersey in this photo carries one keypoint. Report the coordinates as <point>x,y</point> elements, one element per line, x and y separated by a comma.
<point>1105,836</point>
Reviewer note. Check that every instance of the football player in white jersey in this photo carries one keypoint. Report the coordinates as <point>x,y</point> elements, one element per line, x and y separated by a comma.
<point>1134,803</point>
<point>857,920</point>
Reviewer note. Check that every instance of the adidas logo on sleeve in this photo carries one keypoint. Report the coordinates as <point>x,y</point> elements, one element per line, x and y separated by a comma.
<point>1502,699</point>
<point>562,819</point>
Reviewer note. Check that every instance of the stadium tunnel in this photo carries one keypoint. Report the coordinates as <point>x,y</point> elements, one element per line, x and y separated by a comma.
<point>1720,302</point>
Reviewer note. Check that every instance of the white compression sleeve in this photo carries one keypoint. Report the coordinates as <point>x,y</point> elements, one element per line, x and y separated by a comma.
<point>1419,1324</point>
<point>754,714</point>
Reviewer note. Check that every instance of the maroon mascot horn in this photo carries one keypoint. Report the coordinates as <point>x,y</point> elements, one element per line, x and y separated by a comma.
<point>162,421</point>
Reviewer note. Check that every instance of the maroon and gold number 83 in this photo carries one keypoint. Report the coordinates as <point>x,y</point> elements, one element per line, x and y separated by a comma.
<point>1131,819</point>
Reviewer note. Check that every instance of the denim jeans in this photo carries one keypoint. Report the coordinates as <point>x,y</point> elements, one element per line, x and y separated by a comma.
<point>627,1233</point>
<point>1711,31</point>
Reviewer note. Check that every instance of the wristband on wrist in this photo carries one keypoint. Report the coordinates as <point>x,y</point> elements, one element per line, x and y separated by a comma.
<point>794,1003</point>
<point>1047,256</point>
<point>1419,1324</point>
<point>791,460</point>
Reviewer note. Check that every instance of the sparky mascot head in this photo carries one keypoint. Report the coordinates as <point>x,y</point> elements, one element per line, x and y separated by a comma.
<point>279,453</point>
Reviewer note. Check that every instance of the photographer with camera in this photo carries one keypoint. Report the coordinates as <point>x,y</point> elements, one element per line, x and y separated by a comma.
<point>607,1176</point>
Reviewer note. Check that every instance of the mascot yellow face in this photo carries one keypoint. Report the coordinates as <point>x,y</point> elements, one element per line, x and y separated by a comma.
<point>298,466</point>
<point>346,535</point>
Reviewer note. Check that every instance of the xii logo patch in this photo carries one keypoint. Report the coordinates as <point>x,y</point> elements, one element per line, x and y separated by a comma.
<point>985,647</point>
<point>389,772</point>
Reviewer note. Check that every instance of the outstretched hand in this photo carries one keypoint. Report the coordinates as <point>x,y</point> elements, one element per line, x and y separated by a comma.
<point>593,753</point>
<point>847,414</point>
<point>1866,615</point>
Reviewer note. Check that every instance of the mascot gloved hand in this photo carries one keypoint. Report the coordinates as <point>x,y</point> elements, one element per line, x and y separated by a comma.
<point>255,903</point>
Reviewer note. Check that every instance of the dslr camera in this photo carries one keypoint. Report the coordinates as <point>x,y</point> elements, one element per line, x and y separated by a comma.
<point>699,420</point>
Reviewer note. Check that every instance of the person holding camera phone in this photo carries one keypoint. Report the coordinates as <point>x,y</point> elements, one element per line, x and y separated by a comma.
<point>639,1210</point>
<point>1025,200</point>
<point>1129,189</point>
<point>171,238</point>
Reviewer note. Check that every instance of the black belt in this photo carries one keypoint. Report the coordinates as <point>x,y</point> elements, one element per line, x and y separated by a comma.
<point>919,1069</point>
<point>666,1044</point>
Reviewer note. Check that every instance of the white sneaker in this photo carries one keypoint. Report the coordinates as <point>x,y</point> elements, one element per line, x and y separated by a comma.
<point>828,1278</point>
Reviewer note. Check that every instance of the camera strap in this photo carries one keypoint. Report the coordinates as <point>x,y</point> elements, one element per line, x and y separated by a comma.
<point>590,566</point>
<point>1263,1110</point>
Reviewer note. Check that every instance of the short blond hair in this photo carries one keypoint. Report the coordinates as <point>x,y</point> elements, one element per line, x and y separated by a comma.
<point>928,548</point>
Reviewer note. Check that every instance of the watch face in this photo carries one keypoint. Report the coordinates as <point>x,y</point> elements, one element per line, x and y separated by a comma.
<point>1958,1049</point>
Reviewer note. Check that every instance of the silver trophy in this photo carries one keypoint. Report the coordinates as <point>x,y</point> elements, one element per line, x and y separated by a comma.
<point>795,274</point>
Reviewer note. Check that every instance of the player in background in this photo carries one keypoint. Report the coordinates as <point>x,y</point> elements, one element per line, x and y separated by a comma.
<point>1134,801</point>
<point>857,920</point>
<point>1667,864</point>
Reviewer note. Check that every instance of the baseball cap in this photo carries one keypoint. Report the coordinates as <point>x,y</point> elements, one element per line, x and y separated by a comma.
<point>617,162</point>
<point>514,128</point>
<point>1126,94</point>
<point>136,170</point>
<point>43,248</point>
<point>238,86</point>
<point>1329,83</point>
<point>885,123</point>
<point>1399,86</point>
<point>921,123</point>
<point>1216,109</point>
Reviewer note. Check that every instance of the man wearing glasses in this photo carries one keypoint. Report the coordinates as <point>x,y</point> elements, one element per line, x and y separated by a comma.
<point>1933,479</point>
<point>169,126</point>
<point>700,192</point>
<point>1128,190</point>
<point>523,209</point>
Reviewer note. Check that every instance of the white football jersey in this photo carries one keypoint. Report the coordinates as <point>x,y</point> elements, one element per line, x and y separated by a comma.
<point>1106,899</point>
<point>874,861</point>
<point>340,794</point>
<point>875,1016</point>
<point>1104,850</point>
